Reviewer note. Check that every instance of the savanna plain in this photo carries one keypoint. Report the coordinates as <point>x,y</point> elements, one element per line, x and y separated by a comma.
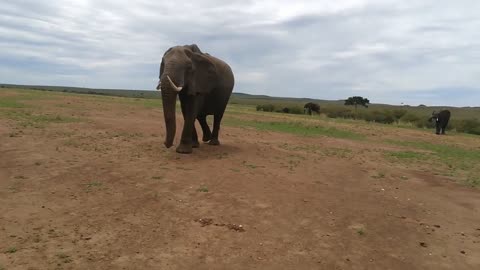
<point>86,183</point>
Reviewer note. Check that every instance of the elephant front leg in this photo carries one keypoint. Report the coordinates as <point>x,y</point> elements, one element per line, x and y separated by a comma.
<point>186,142</point>
<point>437,127</point>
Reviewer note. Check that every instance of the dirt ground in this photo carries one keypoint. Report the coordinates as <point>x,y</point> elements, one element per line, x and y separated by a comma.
<point>104,193</point>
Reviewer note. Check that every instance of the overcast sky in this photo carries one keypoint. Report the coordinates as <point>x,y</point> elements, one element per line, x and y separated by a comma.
<point>423,51</point>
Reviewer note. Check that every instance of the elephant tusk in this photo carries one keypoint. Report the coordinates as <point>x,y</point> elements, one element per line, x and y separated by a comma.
<point>158,85</point>
<point>178,89</point>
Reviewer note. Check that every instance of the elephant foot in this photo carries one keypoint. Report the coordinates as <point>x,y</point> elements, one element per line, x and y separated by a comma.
<point>195,144</point>
<point>184,149</point>
<point>206,138</point>
<point>214,142</point>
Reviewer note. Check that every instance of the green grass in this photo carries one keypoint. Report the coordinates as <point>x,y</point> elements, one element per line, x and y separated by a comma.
<point>455,160</point>
<point>203,189</point>
<point>473,182</point>
<point>11,250</point>
<point>93,185</point>
<point>379,175</point>
<point>30,119</point>
<point>443,151</point>
<point>11,102</point>
<point>64,258</point>
<point>295,127</point>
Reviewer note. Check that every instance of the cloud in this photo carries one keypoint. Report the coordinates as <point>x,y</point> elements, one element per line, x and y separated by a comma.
<point>390,51</point>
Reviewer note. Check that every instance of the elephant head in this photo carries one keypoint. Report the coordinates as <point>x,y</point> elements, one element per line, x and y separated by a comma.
<point>185,70</point>
<point>433,117</point>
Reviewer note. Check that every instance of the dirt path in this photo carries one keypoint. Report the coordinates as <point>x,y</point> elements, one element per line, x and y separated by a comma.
<point>106,194</point>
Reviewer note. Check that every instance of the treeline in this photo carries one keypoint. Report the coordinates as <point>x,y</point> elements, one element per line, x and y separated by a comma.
<point>383,116</point>
<point>293,109</point>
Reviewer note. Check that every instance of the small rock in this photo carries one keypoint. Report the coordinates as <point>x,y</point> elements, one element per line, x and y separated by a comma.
<point>463,252</point>
<point>423,244</point>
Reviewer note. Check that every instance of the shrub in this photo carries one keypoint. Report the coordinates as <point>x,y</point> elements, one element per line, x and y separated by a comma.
<point>410,118</point>
<point>424,123</point>
<point>384,117</point>
<point>471,126</point>
<point>266,107</point>
<point>336,112</point>
<point>398,114</point>
<point>295,110</point>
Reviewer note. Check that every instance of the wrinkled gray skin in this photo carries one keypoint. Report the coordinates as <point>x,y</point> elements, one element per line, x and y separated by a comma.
<point>206,84</point>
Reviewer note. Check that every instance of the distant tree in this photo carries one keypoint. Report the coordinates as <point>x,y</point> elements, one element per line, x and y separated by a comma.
<point>356,100</point>
<point>398,113</point>
<point>286,110</point>
<point>311,107</point>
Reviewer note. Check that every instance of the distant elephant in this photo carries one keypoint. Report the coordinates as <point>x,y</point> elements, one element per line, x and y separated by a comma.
<point>204,85</point>
<point>441,121</point>
<point>311,107</point>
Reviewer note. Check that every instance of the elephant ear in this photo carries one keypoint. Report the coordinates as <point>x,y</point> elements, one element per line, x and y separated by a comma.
<point>162,65</point>
<point>204,75</point>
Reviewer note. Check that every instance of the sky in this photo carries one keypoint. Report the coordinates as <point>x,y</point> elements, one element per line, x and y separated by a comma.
<point>390,51</point>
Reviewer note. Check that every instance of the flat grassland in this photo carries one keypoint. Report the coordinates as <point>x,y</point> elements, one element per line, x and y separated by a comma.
<point>86,183</point>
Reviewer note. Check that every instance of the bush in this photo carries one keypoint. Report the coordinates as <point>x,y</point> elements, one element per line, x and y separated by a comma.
<point>471,126</point>
<point>295,110</point>
<point>384,117</point>
<point>266,107</point>
<point>398,114</point>
<point>287,109</point>
<point>336,112</point>
<point>410,118</point>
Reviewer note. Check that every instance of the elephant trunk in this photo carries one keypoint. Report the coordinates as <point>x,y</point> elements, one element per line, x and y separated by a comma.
<point>169,100</point>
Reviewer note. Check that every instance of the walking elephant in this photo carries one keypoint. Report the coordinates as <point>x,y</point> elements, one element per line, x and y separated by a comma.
<point>441,121</point>
<point>203,84</point>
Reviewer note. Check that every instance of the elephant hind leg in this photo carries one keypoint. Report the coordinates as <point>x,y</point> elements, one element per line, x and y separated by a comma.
<point>217,118</point>
<point>207,134</point>
<point>195,143</point>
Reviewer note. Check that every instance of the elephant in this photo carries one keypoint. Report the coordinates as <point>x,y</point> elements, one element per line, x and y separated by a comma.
<point>203,84</point>
<point>311,107</point>
<point>441,121</point>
